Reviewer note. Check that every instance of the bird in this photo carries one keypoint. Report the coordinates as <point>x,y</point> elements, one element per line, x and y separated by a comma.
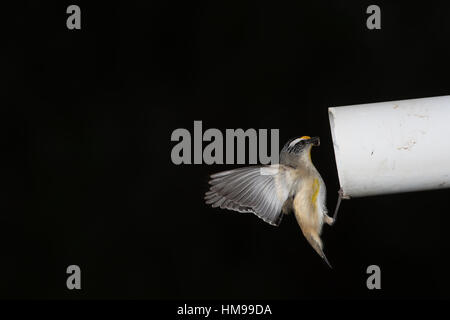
<point>271,191</point>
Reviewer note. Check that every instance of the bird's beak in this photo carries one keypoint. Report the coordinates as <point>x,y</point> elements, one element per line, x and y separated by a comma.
<point>315,141</point>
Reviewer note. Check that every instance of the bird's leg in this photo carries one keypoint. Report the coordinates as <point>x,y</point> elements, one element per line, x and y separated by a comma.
<point>341,196</point>
<point>328,220</point>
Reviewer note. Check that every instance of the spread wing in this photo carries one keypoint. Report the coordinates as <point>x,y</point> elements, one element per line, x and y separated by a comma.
<point>261,190</point>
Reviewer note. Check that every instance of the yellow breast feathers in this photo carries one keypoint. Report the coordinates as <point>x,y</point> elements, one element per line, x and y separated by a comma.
<point>315,192</point>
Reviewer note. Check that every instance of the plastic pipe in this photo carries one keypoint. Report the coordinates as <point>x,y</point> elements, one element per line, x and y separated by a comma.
<point>392,147</point>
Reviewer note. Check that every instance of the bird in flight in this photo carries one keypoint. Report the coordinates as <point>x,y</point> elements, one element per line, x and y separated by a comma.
<point>270,191</point>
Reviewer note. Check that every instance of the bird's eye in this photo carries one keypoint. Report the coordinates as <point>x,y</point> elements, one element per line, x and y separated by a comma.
<point>299,141</point>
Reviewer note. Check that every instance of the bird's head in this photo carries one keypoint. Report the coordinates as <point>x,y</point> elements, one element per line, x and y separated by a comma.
<point>298,149</point>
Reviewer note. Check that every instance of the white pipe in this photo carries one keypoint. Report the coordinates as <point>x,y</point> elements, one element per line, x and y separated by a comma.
<point>392,147</point>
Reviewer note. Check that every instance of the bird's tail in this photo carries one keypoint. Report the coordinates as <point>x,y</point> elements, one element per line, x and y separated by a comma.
<point>324,257</point>
<point>316,243</point>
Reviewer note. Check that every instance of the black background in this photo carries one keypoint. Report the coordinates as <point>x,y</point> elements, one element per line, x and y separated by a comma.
<point>87,120</point>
